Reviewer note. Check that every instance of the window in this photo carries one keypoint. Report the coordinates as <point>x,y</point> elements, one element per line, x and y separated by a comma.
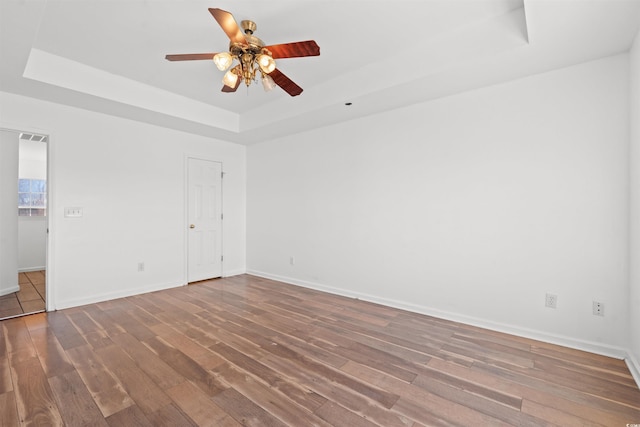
<point>32,197</point>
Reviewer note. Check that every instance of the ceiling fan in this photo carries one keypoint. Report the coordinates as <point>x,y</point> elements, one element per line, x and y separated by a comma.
<point>252,56</point>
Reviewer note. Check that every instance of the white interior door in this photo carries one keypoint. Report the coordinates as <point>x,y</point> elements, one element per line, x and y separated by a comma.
<point>204,220</point>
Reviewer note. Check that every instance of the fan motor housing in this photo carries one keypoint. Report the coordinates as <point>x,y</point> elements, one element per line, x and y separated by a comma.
<point>253,44</point>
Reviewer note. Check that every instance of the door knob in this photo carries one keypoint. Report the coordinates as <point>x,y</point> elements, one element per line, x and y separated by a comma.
<point>192,226</point>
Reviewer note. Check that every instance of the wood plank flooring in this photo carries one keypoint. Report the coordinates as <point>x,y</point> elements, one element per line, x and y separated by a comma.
<point>29,299</point>
<point>254,352</point>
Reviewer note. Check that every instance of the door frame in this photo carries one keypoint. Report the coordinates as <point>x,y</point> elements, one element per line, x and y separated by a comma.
<point>50,300</point>
<point>185,218</point>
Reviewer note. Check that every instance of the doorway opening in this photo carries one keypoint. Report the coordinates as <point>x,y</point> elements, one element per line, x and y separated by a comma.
<point>23,222</point>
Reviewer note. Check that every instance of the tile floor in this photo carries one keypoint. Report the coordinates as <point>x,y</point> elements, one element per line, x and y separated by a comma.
<point>30,297</point>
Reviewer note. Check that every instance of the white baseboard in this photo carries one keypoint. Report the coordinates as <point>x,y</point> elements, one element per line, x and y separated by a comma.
<point>634,367</point>
<point>61,304</point>
<point>28,269</point>
<point>578,344</point>
<point>235,272</point>
<point>10,290</point>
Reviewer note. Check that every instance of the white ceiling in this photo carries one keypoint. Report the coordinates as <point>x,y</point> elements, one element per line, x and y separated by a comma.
<point>108,55</point>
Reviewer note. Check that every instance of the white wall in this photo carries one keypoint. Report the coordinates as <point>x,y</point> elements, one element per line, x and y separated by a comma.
<point>8,212</point>
<point>470,207</point>
<point>32,243</point>
<point>129,179</point>
<point>32,231</point>
<point>634,299</point>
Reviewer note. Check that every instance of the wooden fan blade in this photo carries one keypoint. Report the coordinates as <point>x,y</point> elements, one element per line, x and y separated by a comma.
<point>229,25</point>
<point>228,89</point>
<point>190,56</point>
<point>294,50</point>
<point>285,83</point>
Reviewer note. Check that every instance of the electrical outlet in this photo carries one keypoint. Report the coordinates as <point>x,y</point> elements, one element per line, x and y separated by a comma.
<point>598,308</point>
<point>292,260</point>
<point>551,301</point>
<point>141,266</point>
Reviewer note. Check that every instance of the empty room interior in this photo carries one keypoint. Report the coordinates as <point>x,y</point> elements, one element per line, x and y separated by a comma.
<point>320,213</point>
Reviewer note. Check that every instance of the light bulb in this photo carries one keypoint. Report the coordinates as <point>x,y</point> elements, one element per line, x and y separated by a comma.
<point>222,60</point>
<point>266,63</point>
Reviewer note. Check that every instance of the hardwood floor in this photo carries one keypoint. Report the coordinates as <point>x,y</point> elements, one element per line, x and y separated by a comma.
<point>29,299</point>
<point>250,351</point>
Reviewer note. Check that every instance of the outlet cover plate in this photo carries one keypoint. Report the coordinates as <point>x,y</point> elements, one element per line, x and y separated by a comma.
<point>598,308</point>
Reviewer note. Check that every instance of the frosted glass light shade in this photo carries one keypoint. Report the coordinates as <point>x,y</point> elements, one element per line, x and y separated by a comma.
<point>222,60</point>
<point>267,83</point>
<point>266,63</point>
<point>230,79</point>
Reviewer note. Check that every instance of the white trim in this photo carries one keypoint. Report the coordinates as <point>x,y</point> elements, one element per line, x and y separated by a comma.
<point>29,269</point>
<point>185,218</point>
<point>592,347</point>
<point>108,296</point>
<point>8,291</point>
<point>51,286</point>
<point>634,367</point>
<point>235,272</point>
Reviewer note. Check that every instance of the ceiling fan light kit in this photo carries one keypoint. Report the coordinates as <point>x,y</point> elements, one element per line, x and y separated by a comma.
<point>251,56</point>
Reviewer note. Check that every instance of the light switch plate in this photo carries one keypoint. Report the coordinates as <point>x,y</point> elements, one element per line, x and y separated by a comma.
<point>74,212</point>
